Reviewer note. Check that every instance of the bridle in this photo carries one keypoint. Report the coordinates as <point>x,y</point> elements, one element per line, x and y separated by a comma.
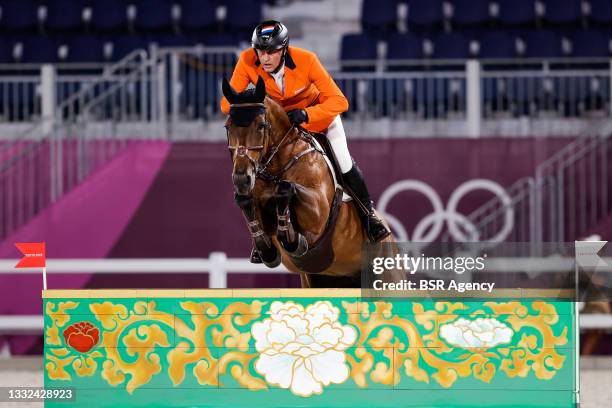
<point>261,168</point>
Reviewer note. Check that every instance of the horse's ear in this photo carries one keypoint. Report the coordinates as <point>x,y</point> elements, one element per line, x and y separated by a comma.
<point>228,91</point>
<point>260,89</point>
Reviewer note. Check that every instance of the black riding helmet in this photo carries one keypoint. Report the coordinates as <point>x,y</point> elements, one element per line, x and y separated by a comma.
<point>270,35</point>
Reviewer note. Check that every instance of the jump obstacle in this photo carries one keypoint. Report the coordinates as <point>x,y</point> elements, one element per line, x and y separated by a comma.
<point>309,347</point>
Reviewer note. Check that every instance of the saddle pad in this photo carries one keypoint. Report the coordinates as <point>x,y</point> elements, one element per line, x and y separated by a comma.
<point>328,156</point>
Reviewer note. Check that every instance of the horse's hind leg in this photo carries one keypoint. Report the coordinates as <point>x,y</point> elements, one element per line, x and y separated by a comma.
<point>268,252</point>
<point>292,241</point>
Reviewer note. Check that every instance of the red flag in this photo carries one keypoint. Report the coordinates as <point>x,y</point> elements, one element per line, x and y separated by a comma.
<point>34,255</point>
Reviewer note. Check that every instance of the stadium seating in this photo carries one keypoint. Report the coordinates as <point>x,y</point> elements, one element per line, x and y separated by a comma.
<point>6,51</point>
<point>153,15</point>
<point>172,40</point>
<point>379,16</point>
<point>65,15</point>
<point>451,46</point>
<point>424,15</point>
<point>38,49</point>
<point>566,12</point>
<point>197,14</point>
<point>123,45</point>
<point>109,15</point>
<point>600,12</point>
<point>403,46</point>
<point>542,44</point>
<point>221,39</point>
<point>590,44</point>
<point>19,15</point>
<point>245,15</point>
<point>87,49</point>
<point>508,30</point>
<point>470,13</point>
<point>516,13</point>
<point>355,48</point>
<point>497,45</point>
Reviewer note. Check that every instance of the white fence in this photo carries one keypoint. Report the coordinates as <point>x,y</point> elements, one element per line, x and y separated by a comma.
<point>218,266</point>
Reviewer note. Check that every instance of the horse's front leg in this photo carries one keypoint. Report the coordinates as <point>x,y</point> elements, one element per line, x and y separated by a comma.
<point>268,252</point>
<point>292,241</point>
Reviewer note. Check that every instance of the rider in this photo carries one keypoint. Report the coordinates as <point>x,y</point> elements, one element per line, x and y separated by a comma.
<point>296,80</point>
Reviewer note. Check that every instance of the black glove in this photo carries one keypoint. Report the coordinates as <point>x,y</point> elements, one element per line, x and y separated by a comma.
<point>297,116</point>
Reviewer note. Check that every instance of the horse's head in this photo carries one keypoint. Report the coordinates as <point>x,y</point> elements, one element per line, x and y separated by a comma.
<point>248,133</point>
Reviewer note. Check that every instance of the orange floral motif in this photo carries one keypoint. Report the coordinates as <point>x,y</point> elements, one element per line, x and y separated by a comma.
<point>82,336</point>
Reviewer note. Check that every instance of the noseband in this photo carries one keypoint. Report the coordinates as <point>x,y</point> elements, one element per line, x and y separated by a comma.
<point>261,169</point>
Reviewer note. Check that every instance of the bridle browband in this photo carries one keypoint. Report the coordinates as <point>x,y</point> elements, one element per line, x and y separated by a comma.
<point>261,169</point>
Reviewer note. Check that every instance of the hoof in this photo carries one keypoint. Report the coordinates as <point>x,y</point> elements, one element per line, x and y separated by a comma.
<point>255,257</point>
<point>284,189</point>
<point>302,247</point>
<point>276,260</point>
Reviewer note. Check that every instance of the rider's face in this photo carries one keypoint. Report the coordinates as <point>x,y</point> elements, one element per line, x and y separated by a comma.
<point>270,60</point>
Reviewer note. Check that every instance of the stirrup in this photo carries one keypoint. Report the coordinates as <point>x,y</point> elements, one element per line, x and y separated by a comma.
<point>255,257</point>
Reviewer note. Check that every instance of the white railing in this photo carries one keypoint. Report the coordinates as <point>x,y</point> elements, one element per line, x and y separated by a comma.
<point>218,266</point>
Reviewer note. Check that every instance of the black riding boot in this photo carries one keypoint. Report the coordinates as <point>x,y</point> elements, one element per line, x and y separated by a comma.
<point>353,179</point>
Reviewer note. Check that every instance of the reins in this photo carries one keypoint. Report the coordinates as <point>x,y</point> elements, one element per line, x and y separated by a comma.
<point>261,169</point>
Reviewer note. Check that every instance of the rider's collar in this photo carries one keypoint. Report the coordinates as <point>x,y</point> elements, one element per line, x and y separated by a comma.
<point>289,61</point>
<point>279,71</point>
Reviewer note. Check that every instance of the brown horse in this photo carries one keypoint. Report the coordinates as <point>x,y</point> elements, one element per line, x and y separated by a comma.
<point>288,196</point>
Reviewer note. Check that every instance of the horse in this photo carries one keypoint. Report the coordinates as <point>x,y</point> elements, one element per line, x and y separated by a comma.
<point>288,194</point>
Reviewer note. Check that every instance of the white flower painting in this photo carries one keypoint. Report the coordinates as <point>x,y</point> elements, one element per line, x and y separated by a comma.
<point>479,333</point>
<point>303,349</point>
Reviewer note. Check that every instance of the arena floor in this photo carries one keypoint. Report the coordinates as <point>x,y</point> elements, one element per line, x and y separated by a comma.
<point>596,381</point>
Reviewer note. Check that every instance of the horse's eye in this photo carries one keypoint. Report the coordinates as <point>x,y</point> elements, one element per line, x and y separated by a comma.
<point>262,126</point>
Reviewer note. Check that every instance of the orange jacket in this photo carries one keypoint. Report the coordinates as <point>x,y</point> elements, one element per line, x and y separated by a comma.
<point>307,86</point>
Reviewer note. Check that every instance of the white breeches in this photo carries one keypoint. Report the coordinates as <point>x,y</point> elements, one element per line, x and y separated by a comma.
<point>337,140</point>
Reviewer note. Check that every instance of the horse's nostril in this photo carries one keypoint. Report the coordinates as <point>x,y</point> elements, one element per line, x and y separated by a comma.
<point>242,179</point>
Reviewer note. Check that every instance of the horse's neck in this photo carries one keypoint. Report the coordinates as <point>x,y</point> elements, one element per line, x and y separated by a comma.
<point>284,140</point>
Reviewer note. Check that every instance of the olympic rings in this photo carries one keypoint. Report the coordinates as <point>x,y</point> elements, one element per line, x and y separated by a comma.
<point>429,228</point>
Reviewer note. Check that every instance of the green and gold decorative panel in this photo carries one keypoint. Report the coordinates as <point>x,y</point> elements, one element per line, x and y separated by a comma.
<point>314,348</point>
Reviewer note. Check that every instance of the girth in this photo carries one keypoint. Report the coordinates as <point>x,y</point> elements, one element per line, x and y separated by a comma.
<point>321,255</point>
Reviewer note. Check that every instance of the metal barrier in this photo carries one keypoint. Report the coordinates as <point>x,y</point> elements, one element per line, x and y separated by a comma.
<point>21,87</point>
<point>404,95</point>
<point>541,93</point>
<point>192,78</point>
<point>567,196</point>
<point>182,85</point>
<point>571,193</point>
<point>58,151</point>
